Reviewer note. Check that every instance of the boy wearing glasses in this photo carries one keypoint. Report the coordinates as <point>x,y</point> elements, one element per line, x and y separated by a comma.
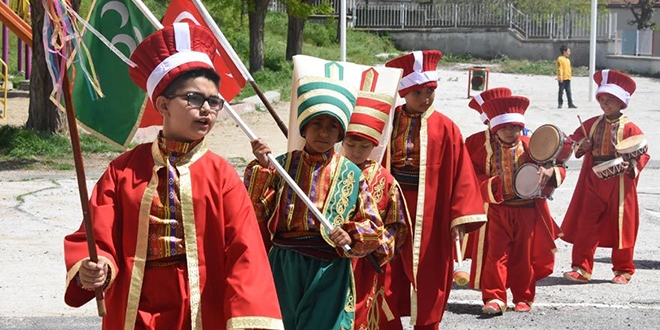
<point>178,243</point>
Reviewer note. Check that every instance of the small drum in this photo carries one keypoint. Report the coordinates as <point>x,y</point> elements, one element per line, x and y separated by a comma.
<point>549,144</point>
<point>632,147</point>
<point>609,169</point>
<point>526,183</point>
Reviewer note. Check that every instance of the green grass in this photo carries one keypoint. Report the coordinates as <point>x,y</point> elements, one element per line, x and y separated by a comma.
<point>533,68</point>
<point>24,148</point>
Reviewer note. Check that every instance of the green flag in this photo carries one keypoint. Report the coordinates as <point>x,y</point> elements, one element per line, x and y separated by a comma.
<point>116,116</point>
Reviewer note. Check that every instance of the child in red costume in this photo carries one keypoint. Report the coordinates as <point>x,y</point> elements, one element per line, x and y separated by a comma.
<point>520,231</point>
<point>429,160</point>
<point>363,134</point>
<point>177,237</point>
<point>605,212</point>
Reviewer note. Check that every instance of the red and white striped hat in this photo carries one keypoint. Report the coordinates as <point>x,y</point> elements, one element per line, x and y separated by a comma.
<point>419,70</point>
<point>615,83</point>
<point>509,110</point>
<point>482,97</point>
<point>165,54</point>
<point>370,116</point>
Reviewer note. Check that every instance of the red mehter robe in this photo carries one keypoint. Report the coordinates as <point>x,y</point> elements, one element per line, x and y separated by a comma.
<point>229,279</point>
<point>604,213</point>
<point>477,141</point>
<point>539,255</point>
<point>371,306</point>
<point>447,196</point>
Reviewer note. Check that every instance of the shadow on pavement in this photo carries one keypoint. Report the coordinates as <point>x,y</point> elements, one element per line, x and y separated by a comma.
<point>559,280</point>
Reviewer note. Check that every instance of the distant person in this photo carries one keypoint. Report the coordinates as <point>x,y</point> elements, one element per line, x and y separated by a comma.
<point>564,76</point>
<point>604,212</point>
<point>177,237</point>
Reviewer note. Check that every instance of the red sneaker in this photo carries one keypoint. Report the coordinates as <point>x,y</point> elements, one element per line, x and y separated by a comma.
<point>576,277</point>
<point>492,308</point>
<point>619,279</point>
<point>522,307</point>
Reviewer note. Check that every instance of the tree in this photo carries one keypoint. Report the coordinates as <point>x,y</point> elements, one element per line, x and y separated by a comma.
<point>642,13</point>
<point>257,21</point>
<point>298,12</point>
<point>43,115</point>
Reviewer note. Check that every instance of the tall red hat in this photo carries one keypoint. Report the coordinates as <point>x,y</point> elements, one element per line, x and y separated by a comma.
<point>509,110</point>
<point>168,52</point>
<point>370,116</point>
<point>419,70</point>
<point>615,83</point>
<point>482,97</point>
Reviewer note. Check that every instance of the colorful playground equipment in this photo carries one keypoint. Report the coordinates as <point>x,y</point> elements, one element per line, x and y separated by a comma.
<point>14,23</point>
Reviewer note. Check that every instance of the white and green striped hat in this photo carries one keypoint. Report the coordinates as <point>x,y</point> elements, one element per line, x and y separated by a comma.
<point>324,96</point>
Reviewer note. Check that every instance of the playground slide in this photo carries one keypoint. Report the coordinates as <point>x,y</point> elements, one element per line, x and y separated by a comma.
<point>15,23</point>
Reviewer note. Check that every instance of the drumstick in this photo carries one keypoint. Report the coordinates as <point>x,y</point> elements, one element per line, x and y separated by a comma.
<point>584,130</point>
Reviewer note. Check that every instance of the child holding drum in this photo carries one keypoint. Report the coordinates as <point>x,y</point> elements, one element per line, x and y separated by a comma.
<point>519,242</point>
<point>614,153</point>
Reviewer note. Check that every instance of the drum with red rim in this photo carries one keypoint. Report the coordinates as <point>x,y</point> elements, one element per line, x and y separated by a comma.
<point>526,183</point>
<point>549,144</point>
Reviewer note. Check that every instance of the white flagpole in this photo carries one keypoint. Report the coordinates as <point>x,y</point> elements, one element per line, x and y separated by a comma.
<point>147,13</point>
<point>342,30</point>
<point>239,64</point>
<point>282,172</point>
<point>592,47</point>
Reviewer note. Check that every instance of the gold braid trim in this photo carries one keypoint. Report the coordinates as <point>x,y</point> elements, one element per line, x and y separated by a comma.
<point>254,322</point>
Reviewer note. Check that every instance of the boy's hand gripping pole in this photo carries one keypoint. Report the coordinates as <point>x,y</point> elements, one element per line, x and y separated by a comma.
<point>280,170</point>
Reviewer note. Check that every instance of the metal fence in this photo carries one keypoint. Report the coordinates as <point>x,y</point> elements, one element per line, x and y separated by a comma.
<point>414,15</point>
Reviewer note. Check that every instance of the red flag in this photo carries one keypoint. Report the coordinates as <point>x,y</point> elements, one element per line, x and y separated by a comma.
<point>231,79</point>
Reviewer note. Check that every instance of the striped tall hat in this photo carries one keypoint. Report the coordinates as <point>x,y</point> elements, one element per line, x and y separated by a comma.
<point>482,97</point>
<point>419,70</point>
<point>371,114</point>
<point>506,110</point>
<point>165,54</point>
<point>324,96</point>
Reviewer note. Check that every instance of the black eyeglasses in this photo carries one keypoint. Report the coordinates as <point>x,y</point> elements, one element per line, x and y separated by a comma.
<point>197,100</point>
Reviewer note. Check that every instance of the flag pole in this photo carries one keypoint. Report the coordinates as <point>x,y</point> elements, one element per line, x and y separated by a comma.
<point>82,185</point>
<point>282,172</point>
<point>230,51</point>
<point>239,64</point>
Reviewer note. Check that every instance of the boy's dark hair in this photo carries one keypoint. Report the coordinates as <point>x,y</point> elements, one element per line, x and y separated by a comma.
<point>563,49</point>
<point>192,74</point>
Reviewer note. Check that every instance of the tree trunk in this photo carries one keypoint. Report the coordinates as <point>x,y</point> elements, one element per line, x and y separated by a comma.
<point>257,18</point>
<point>294,38</point>
<point>43,116</point>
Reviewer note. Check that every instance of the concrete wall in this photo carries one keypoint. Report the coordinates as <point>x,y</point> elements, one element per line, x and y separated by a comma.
<point>624,16</point>
<point>494,43</point>
<point>645,65</point>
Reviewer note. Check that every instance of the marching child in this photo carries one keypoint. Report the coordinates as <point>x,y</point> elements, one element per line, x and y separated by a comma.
<point>313,274</point>
<point>363,134</point>
<point>521,232</point>
<point>176,234</point>
<point>605,212</point>
<point>429,160</point>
